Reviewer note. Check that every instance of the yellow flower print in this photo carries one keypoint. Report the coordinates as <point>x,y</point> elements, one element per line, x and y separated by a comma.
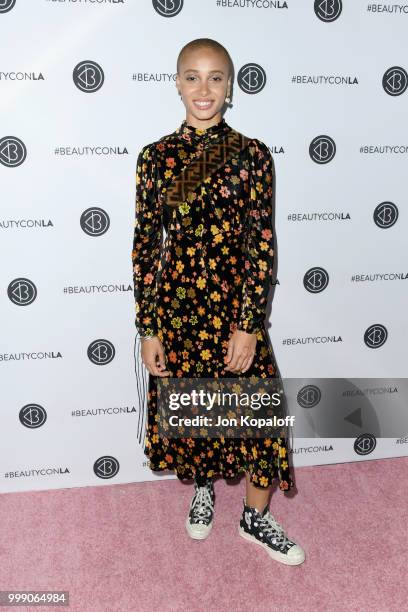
<point>193,320</point>
<point>225,250</point>
<point>263,481</point>
<point>199,367</point>
<point>264,246</point>
<point>226,225</point>
<point>186,366</point>
<point>201,282</point>
<point>262,265</point>
<point>218,238</point>
<point>282,451</point>
<point>184,208</point>
<point>214,230</point>
<point>203,335</point>
<point>181,292</point>
<point>191,251</point>
<point>216,322</point>
<point>168,174</point>
<point>176,322</point>
<point>205,354</point>
<point>215,296</point>
<point>199,230</point>
<point>179,266</point>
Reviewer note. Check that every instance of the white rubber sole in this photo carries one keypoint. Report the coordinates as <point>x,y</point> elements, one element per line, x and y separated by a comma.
<point>197,535</point>
<point>274,554</point>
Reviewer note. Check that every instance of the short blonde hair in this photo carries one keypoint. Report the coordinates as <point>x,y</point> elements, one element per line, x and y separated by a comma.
<point>205,43</point>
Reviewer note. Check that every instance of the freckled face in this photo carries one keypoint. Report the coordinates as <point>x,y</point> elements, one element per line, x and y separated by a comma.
<point>203,82</point>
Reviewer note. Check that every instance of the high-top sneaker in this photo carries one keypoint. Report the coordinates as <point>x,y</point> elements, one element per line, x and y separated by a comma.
<point>263,529</point>
<point>199,521</point>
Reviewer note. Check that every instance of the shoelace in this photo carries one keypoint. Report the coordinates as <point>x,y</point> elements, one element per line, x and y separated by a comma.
<point>273,528</point>
<point>202,504</point>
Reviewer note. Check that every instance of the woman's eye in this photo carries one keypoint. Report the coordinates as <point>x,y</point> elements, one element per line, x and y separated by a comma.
<point>191,78</point>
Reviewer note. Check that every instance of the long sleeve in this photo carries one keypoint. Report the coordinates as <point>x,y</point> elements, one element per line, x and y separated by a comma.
<point>259,243</point>
<point>146,243</point>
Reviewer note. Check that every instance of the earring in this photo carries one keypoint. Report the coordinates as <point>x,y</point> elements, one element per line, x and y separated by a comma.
<point>228,99</point>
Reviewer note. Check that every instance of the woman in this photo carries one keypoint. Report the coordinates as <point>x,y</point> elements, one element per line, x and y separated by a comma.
<point>201,297</point>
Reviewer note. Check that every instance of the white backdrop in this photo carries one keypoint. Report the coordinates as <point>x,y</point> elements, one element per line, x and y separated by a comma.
<point>83,86</point>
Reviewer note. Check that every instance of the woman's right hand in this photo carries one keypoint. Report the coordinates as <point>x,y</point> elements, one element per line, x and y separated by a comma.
<point>152,351</point>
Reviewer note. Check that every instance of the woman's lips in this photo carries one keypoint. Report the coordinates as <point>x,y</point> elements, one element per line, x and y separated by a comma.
<point>203,105</point>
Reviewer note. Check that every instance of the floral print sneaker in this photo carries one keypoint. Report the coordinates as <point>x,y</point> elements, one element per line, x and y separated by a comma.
<point>199,521</point>
<point>263,529</point>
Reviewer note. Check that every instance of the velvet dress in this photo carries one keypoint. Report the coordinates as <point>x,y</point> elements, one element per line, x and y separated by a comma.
<point>202,269</point>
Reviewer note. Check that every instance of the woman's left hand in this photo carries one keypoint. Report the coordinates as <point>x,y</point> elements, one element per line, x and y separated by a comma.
<point>241,352</point>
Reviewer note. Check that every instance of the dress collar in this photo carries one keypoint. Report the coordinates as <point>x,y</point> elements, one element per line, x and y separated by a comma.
<point>199,135</point>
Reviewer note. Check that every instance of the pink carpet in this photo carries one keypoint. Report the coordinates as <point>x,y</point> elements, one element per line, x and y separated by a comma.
<point>124,547</point>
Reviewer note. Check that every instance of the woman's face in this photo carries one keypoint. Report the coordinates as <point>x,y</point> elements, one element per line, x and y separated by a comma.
<point>204,83</point>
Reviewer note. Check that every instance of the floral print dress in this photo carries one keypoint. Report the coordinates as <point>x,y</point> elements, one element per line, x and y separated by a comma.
<point>209,276</point>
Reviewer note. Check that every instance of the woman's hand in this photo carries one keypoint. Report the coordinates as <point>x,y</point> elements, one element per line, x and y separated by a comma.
<point>151,352</point>
<point>241,352</point>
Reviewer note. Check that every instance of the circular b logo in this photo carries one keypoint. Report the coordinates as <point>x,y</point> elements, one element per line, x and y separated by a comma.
<point>328,11</point>
<point>6,5</point>
<point>309,396</point>
<point>106,467</point>
<point>251,78</point>
<point>322,149</point>
<point>365,444</point>
<point>22,291</point>
<point>101,352</point>
<point>395,81</point>
<point>385,215</point>
<point>94,221</point>
<point>12,151</point>
<point>88,76</point>
<point>316,280</point>
<point>32,416</point>
<point>375,336</point>
<point>167,8</point>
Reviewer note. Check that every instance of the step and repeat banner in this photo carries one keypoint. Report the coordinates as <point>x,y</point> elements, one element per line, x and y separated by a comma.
<point>83,86</point>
